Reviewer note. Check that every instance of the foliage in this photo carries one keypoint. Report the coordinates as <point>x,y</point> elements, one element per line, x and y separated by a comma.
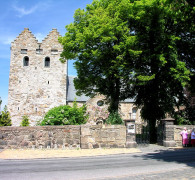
<point>114,118</point>
<point>136,49</point>
<point>5,119</point>
<point>25,121</point>
<point>65,115</point>
<point>99,39</point>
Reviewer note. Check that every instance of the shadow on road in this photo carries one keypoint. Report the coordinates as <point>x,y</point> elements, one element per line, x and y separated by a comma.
<point>185,156</point>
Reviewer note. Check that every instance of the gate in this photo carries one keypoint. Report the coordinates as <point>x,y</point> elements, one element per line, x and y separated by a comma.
<point>142,134</point>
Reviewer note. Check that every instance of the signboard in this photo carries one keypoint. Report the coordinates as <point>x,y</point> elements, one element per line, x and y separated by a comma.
<point>131,128</point>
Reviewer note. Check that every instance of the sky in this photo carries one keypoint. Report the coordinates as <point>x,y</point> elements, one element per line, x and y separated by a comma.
<point>40,16</point>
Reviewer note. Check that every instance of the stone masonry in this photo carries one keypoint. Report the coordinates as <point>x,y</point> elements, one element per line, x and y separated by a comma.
<point>70,136</point>
<point>35,88</point>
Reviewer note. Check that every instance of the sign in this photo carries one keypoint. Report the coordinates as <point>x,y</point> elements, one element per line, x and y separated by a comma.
<point>131,128</point>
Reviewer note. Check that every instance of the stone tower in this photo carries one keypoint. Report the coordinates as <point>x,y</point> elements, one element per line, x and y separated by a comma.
<point>37,80</point>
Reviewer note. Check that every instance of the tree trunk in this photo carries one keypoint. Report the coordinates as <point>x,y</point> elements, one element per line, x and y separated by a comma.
<point>153,131</point>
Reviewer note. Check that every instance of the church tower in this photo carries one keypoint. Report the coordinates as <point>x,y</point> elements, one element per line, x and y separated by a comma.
<point>37,80</point>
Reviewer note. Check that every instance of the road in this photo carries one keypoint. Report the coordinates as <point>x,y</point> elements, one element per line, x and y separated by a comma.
<point>174,164</point>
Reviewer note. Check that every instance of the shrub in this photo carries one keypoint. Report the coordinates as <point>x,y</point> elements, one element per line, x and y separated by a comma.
<point>5,119</point>
<point>65,115</point>
<point>114,118</point>
<point>25,121</point>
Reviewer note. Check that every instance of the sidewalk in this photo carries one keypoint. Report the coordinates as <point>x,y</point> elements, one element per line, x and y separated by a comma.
<point>59,153</point>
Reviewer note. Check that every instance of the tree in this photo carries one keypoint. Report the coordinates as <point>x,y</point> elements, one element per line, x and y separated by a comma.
<point>65,115</point>
<point>25,121</point>
<point>100,41</point>
<point>5,119</point>
<point>130,49</point>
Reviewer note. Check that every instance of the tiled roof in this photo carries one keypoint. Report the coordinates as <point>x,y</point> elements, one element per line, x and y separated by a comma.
<point>71,93</point>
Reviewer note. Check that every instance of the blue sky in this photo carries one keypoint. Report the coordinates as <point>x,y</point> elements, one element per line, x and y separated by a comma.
<point>40,16</point>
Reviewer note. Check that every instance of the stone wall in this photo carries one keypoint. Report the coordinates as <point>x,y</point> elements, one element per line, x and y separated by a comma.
<point>63,136</point>
<point>106,136</point>
<point>178,129</point>
<point>40,137</point>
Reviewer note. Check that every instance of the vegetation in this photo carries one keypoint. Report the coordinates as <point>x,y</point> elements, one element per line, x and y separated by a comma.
<point>25,121</point>
<point>5,119</point>
<point>65,115</point>
<point>141,49</point>
<point>114,118</point>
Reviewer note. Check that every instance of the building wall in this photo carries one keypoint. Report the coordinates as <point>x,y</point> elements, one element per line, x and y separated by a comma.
<point>35,89</point>
<point>97,113</point>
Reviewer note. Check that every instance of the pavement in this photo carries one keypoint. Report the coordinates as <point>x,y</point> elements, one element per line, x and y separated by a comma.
<point>67,153</point>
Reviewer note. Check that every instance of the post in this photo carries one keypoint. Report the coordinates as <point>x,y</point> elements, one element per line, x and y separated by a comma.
<point>168,132</point>
<point>131,133</point>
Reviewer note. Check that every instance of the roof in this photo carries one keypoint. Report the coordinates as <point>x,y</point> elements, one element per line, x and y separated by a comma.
<point>71,93</point>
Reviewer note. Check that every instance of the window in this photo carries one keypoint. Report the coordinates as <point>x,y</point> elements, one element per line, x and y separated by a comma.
<point>54,51</point>
<point>26,61</point>
<point>134,111</point>
<point>47,62</point>
<point>23,51</point>
<point>100,103</point>
<point>39,51</point>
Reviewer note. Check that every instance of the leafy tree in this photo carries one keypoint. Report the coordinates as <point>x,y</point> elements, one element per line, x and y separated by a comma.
<point>25,121</point>
<point>114,118</point>
<point>5,119</point>
<point>132,49</point>
<point>100,41</point>
<point>65,115</point>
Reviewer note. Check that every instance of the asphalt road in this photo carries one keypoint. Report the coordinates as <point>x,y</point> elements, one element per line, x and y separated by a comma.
<point>160,165</point>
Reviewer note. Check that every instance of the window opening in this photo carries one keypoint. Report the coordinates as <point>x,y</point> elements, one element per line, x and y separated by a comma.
<point>48,82</point>
<point>39,51</point>
<point>26,61</point>
<point>47,62</point>
<point>134,111</point>
<point>100,103</point>
<point>23,51</point>
<point>54,51</point>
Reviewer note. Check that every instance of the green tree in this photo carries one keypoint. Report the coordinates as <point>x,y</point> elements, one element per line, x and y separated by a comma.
<point>25,121</point>
<point>5,119</point>
<point>130,49</point>
<point>160,75</point>
<point>99,39</point>
<point>65,115</point>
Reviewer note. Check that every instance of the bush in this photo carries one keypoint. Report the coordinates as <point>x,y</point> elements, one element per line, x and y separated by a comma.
<point>5,119</point>
<point>65,115</point>
<point>25,121</point>
<point>114,118</point>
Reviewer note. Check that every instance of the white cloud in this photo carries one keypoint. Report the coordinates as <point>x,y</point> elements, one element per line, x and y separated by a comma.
<point>23,11</point>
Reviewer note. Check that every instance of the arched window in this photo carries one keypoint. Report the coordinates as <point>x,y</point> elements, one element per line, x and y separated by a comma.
<point>134,111</point>
<point>47,62</point>
<point>26,61</point>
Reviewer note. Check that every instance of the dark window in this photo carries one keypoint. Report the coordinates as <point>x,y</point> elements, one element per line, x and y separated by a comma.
<point>54,51</point>
<point>100,103</point>
<point>23,51</point>
<point>47,62</point>
<point>39,51</point>
<point>26,61</point>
